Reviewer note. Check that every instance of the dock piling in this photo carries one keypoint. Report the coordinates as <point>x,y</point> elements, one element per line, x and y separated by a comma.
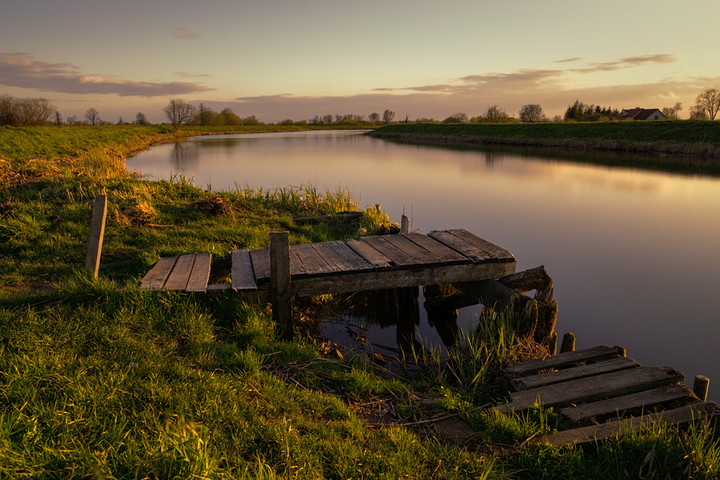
<point>701,385</point>
<point>568,343</point>
<point>280,293</point>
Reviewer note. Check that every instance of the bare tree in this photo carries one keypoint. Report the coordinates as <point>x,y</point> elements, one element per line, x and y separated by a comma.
<point>709,102</point>
<point>455,118</point>
<point>141,119</point>
<point>531,112</point>
<point>671,113</point>
<point>496,114</point>
<point>25,111</point>
<point>388,116</point>
<point>179,111</point>
<point>374,117</point>
<point>92,116</point>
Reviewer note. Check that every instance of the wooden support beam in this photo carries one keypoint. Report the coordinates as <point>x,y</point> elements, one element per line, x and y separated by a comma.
<point>404,225</point>
<point>97,233</point>
<point>701,384</point>
<point>568,343</point>
<point>280,293</point>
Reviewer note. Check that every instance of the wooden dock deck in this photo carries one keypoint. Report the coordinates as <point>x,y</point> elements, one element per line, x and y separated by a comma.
<point>600,394</point>
<point>371,263</point>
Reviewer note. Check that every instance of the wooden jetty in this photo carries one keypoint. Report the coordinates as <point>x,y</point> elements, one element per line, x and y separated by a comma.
<point>446,257</point>
<point>600,394</point>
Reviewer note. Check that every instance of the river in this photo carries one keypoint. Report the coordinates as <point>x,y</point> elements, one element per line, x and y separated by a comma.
<point>634,252</point>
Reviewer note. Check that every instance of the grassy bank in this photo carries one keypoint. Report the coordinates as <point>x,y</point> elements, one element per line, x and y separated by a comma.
<point>99,379</point>
<point>682,137</point>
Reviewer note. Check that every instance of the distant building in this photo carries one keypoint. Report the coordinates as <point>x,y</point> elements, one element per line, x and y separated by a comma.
<point>642,114</point>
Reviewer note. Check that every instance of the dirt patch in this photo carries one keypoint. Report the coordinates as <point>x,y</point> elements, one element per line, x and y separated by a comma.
<point>216,205</point>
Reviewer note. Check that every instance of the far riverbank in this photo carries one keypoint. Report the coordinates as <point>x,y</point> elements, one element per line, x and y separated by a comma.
<point>700,139</point>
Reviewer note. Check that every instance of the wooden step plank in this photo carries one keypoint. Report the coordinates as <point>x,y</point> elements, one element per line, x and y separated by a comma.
<point>707,411</point>
<point>297,269</point>
<point>613,406</point>
<point>180,274</point>
<point>200,273</point>
<point>558,376</point>
<point>594,354</point>
<point>371,255</point>
<point>337,253</point>
<point>397,257</point>
<point>155,278</point>
<point>464,248</point>
<point>261,264</point>
<point>418,254</point>
<point>495,251</point>
<point>590,389</point>
<point>444,253</point>
<point>313,263</point>
<point>241,271</point>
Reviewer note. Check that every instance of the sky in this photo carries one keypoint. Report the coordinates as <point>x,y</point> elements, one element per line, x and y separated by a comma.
<point>280,59</point>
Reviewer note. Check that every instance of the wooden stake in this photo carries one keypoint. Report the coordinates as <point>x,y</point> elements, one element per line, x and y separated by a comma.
<point>701,386</point>
<point>280,293</point>
<point>97,233</point>
<point>552,343</point>
<point>568,343</point>
<point>404,225</point>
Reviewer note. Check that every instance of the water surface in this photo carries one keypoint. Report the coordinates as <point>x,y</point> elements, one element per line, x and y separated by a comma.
<point>633,252</point>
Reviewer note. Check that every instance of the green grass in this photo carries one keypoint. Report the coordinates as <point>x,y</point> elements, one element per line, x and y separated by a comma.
<point>99,379</point>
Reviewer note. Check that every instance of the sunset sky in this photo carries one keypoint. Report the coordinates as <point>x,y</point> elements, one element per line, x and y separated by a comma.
<point>279,59</point>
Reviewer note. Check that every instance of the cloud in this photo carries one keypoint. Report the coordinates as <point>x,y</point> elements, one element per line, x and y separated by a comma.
<point>22,70</point>
<point>192,75</point>
<point>629,62</point>
<point>185,33</point>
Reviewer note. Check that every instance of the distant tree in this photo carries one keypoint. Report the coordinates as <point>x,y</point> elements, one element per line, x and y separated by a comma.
<point>388,116</point>
<point>120,121</point>
<point>287,122</point>
<point>58,118</point>
<point>496,114</point>
<point>25,111</point>
<point>374,117</point>
<point>672,113</point>
<point>141,119</point>
<point>178,111</point>
<point>698,113</point>
<point>531,112</point>
<point>251,120</point>
<point>456,118</point>
<point>71,120</point>
<point>327,119</point>
<point>92,116</point>
<point>709,102</point>
<point>229,118</point>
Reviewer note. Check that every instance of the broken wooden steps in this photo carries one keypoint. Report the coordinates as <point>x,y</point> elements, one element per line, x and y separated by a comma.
<point>601,394</point>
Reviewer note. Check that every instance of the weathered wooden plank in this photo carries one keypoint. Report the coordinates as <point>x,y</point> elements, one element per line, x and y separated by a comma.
<point>461,246</point>
<point>280,293</point>
<point>613,406</point>
<point>593,354</point>
<point>357,282</point>
<point>296,266</point>
<point>313,263</point>
<point>261,264</point>
<point>200,273</point>
<point>371,255</point>
<point>444,253</point>
<point>495,251</point>
<point>341,256</point>
<point>531,279</point>
<point>241,270</point>
<point>397,257</point>
<point>709,411</point>
<point>155,278</point>
<point>420,255</point>
<point>180,274</point>
<point>559,376</point>
<point>219,287</point>
<point>593,388</point>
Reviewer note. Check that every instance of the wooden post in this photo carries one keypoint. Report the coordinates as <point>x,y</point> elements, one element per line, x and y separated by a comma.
<point>280,294</point>
<point>568,343</point>
<point>404,225</point>
<point>552,343</point>
<point>701,386</point>
<point>97,233</point>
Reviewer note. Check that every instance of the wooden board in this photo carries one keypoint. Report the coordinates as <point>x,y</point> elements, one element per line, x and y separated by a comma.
<point>461,246</point>
<point>261,264</point>
<point>200,273</point>
<point>343,257</point>
<point>444,253</point>
<point>394,278</point>
<point>372,256</point>
<point>679,416</point>
<point>558,376</point>
<point>593,388</point>
<point>496,252</point>
<point>312,262</point>
<point>641,400</point>
<point>155,278</point>
<point>397,257</point>
<point>180,274</point>
<point>561,360</point>
<point>241,271</point>
<point>418,254</point>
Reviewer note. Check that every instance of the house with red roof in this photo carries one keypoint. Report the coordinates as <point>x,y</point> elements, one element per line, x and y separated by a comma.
<point>642,114</point>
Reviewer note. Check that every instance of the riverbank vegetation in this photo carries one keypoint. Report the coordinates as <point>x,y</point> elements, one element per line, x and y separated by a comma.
<point>99,379</point>
<point>681,137</point>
